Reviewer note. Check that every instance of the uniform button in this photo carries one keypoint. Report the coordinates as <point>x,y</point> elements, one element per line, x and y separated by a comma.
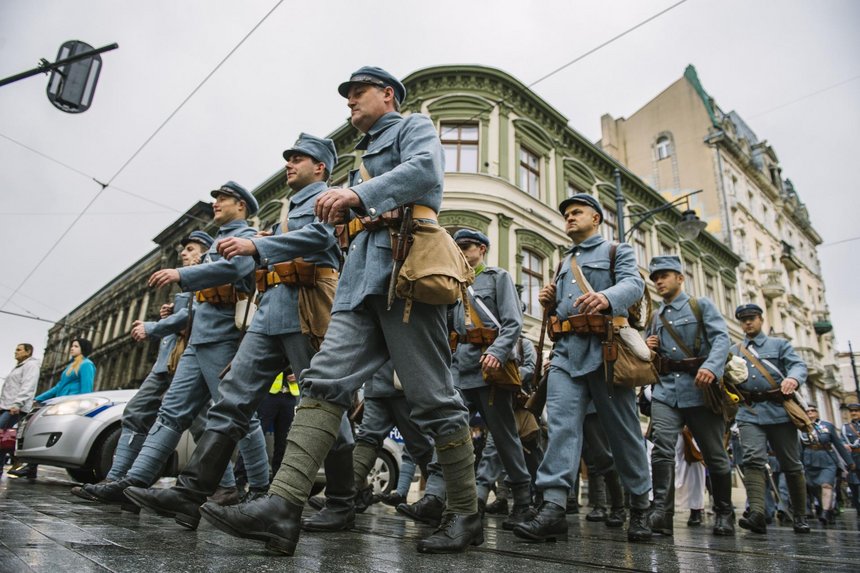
<point>673,348</point>
<point>372,212</point>
<point>668,310</point>
<point>353,247</point>
<point>670,322</point>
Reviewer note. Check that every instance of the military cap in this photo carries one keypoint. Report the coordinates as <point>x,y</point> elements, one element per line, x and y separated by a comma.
<point>853,406</point>
<point>811,406</point>
<point>470,236</point>
<point>198,237</point>
<point>745,310</point>
<point>375,77</point>
<point>233,189</point>
<point>664,263</point>
<point>317,148</point>
<point>583,199</point>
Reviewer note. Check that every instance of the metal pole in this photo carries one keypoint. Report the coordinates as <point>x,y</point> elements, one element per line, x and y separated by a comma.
<point>619,205</point>
<point>47,67</point>
<point>854,370</point>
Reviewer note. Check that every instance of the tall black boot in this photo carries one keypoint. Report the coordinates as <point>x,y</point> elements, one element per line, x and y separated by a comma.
<point>596,498</point>
<point>615,492</point>
<point>724,514</point>
<point>270,518</point>
<point>338,513</point>
<point>198,480</point>
<point>663,509</point>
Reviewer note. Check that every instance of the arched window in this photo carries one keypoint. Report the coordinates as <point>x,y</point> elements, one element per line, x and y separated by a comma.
<point>532,276</point>
<point>664,147</point>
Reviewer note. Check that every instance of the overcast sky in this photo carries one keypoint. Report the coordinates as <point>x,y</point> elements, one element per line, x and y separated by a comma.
<point>776,63</point>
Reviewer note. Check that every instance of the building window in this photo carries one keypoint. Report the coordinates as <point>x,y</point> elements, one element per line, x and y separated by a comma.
<point>664,147</point>
<point>529,172</point>
<point>572,189</point>
<point>640,248</point>
<point>710,287</point>
<point>730,299</point>
<point>532,273</point>
<point>690,277</point>
<point>609,224</point>
<point>667,248</point>
<point>460,144</point>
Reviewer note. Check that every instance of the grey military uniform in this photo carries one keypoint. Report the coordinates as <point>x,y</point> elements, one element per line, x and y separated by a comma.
<point>576,377</point>
<point>676,400</point>
<point>404,157</point>
<point>495,290</point>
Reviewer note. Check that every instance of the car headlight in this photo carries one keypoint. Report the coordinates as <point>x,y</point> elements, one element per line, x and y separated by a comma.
<point>80,407</point>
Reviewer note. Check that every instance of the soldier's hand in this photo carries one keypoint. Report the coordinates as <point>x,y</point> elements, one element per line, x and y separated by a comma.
<point>591,303</point>
<point>788,386</point>
<point>333,205</point>
<point>165,310</point>
<point>138,332</point>
<point>704,378</point>
<point>490,363</point>
<point>547,296</point>
<point>653,342</point>
<point>237,247</point>
<point>264,234</point>
<point>163,277</point>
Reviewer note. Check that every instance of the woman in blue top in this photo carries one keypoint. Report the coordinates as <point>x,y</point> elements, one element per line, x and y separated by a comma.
<point>77,378</point>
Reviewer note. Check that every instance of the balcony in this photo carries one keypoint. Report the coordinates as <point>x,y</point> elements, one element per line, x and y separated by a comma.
<point>813,361</point>
<point>822,324</point>
<point>788,258</point>
<point>771,283</point>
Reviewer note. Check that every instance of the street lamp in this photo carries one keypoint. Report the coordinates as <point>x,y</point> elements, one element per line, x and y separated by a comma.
<point>688,228</point>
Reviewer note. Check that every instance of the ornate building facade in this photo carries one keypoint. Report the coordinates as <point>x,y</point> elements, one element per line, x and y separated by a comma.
<point>682,141</point>
<point>510,160</point>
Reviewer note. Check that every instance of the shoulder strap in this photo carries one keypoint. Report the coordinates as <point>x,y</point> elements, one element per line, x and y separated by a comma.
<point>676,337</point>
<point>700,331</point>
<point>584,286</point>
<point>613,249</point>
<point>484,307</point>
<point>758,366</point>
<point>365,174</point>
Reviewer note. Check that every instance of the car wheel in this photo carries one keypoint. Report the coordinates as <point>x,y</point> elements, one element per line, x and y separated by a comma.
<point>101,456</point>
<point>383,475</point>
<point>82,475</point>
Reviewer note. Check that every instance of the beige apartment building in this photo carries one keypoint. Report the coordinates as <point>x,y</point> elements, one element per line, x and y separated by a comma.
<point>682,141</point>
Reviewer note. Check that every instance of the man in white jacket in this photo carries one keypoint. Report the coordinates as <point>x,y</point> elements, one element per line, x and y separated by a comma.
<point>16,396</point>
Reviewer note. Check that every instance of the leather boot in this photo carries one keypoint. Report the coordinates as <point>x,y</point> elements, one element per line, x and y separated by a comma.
<point>520,515</point>
<point>638,529</point>
<point>800,524</point>
<point>270,518</point>
<point>113,492</point>
<point>549,524</point>
<point>754,482</point>
<point>615,494</point>
<point>427,510</point>
<point>81,491</point>
<point>724,514</point>
<point>663,509</point>
<point>225,496</point>
<point>198,480</point>
<point>339,511</point>
<point>252,494</point>
<point>364,498</point>
<point>695,518</point>
<point>596,498</point>
<point>455,533</point>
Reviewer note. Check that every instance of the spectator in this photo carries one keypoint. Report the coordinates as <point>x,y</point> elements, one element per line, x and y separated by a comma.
<point>16,397</point>
<point>77,378</point>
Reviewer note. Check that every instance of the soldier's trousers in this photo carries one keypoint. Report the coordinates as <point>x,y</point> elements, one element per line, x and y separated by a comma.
<point>595,449</point>
<point>782,438</point>
<point>359,342</point>
<point>708,429</point>
<point>567,403</point>
<point>381,415</point>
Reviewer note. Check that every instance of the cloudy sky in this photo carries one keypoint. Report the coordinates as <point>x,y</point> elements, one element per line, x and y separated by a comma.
<point>790,68</point>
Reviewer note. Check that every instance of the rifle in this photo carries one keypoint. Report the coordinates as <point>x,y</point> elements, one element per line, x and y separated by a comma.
<point>400,245</point>
<point>536,402</point>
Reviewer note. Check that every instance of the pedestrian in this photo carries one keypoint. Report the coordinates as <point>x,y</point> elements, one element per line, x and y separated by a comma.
<point>775,372</point>
<point>140,412</point>
<point>402,165</point>
<point>577,372</point>
<point>219,284</point>
<point>19,388</point>
<point>821,463</point>
<point>691,339</point>
<point>77,378</point>
<point>297,287</point>
<point>851,433</point>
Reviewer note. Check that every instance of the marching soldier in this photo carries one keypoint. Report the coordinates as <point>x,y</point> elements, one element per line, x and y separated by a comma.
<point>775,372</point>
<point>692,342</point>
<point>821,463</point>
<point>851,433</point>
<point>577,373</point>
<point>402,165</point>
<point>140,412</point>
<point>219,284</point>
<point>297,287</point>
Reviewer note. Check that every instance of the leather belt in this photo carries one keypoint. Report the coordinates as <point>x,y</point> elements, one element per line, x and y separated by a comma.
<point>389,219</point>
<point>818,447</point>
<point>667,365</point>
<point>855,450</point>
<point>224,294</point>
<point>583,325</point>
<point>294,273</point>
<point>774,395</point>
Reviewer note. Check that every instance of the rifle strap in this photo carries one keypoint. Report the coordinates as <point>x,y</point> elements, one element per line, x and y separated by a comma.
<point>697,346</point>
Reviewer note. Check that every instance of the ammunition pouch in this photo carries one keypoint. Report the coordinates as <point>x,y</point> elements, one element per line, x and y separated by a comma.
<point>667,365</point>
<point>774,395</point>
<point>391,219</point>
<point>294,273</point>
<point>223,295</point>
<point>583,325</point>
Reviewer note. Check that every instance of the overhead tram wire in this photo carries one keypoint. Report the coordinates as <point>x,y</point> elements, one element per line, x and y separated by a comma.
<point>584,55</point>
<point>104,186</point>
